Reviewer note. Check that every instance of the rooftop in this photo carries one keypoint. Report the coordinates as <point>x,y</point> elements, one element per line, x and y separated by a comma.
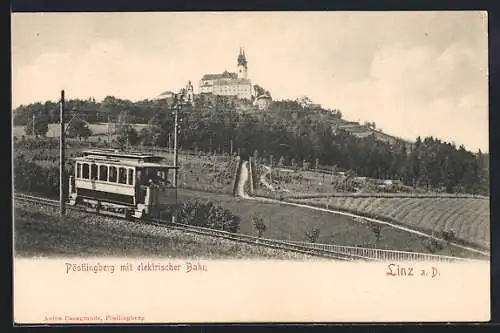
<point>122,162</point>
<point>121,154</point>
<point>224,75</point>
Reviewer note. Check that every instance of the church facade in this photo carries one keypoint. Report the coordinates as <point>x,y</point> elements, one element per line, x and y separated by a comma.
<point>228,83</point>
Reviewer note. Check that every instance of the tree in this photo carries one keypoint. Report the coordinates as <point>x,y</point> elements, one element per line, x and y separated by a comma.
<point>41,126</point>
<point>126,133</point>
<point>259,225</point>
<point>433,245</point>
<point>78,129</point>
<point>313,235</point>
<point>376,229</point>
<point>281,161</point>
<point>448,236</point>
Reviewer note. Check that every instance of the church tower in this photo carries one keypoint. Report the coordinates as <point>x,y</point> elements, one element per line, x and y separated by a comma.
<point>242,65</point>
<point>190,93</point>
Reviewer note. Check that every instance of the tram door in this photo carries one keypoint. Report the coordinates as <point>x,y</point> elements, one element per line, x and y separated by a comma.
<point>140,188</point>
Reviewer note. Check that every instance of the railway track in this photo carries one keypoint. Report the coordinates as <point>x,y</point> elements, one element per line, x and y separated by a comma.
<point>37,199</point>
<point>241,238</point>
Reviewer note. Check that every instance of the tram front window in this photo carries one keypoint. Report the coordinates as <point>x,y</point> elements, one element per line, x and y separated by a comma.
<point>160,177</point>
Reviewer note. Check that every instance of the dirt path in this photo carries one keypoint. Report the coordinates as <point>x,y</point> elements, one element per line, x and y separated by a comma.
<point>356,218</point>
<point>263,178</point>
<point>242,181</point>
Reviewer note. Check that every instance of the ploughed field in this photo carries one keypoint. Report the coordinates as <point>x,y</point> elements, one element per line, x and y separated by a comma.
<point>467,218</point>
<point>39,232</point>
<point>287,222</point>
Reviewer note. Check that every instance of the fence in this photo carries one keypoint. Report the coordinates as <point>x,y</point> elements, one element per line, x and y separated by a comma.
<point>389,195</point>
<point>380,254</point>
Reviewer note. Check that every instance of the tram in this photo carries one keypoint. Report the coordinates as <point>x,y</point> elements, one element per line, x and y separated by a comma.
<point>124,184</point>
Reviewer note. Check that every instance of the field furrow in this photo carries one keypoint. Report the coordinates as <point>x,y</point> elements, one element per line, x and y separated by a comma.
<point>468,218</point>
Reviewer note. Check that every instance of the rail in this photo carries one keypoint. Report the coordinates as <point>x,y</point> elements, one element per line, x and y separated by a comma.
<point>37,199</point>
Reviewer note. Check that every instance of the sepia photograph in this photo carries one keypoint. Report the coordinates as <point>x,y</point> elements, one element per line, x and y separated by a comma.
<point>305,153</point>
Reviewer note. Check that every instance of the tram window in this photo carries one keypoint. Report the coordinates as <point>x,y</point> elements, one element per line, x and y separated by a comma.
<point>85,171</point>
<point>131,176</point>
<point>103,173</point>
<point>122,178</point>
<point>78,170</point>
<point>112,174</point>
<point>93,172</point>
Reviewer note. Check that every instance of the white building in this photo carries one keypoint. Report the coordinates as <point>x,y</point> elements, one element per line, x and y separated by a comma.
<point>262,102</point>
<point>229,84</point>
<point>169,96</point>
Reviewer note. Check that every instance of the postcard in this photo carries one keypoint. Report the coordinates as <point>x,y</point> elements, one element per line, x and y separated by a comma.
<point>250,167</point>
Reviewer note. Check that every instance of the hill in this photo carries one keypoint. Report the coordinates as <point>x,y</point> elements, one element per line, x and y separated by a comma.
<point>290,134</point>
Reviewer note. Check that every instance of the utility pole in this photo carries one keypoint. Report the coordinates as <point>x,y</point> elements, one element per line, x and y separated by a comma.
<point>109,130</point>
<point>62,158</point>
<point>176,108</point>
<point>169,143</point>
<point>127,129</point>
<point>176,105</point>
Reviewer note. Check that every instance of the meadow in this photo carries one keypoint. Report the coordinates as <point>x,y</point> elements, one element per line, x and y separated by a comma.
<point>40,232</point>
<point>291,223</point>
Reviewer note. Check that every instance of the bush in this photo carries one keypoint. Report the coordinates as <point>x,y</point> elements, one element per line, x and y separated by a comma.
<point>259,225</point>
<point>30,177</point>
<point>432,245</point>
<point>207,214</point>
<point>313,235</point>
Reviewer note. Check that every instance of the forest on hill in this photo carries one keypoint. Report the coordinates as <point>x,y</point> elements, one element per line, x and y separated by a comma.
<point>287,133</point>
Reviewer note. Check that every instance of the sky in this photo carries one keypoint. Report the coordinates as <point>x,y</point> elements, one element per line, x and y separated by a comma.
<point>412,73</point>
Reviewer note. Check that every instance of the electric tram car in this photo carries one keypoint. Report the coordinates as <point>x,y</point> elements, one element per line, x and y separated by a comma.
<point>131,185</point>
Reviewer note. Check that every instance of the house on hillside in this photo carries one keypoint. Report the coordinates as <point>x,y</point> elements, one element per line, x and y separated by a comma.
<point>168,96</point>
<point>165,97</point>
<point>262,102</point>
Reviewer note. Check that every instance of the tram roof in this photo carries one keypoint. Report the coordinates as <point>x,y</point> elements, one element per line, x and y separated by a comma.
<point>121,154</point>
<point>124,160</point>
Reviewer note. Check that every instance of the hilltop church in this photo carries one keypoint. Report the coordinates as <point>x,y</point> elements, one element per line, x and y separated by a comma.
<point>229,84</point>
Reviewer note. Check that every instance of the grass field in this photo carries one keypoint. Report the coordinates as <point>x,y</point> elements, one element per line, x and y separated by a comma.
<point>97,129</point>
<point>40,232</point>
<point>285,222</point>
<point>468,218</point>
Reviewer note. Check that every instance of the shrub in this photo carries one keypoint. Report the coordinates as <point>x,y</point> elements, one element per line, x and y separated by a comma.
<point>433,245</point>
<point>259,225</point>
<point>30,177</point>
<point>313,235</point>
<point>207,214</point>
